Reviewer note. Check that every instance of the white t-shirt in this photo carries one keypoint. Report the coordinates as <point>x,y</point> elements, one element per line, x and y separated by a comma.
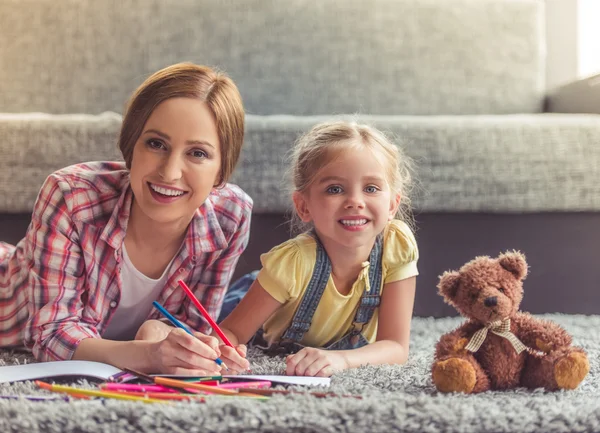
<point>139,291</point>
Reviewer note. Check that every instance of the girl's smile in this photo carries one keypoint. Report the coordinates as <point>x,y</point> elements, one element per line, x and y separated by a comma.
<point>354,223</point>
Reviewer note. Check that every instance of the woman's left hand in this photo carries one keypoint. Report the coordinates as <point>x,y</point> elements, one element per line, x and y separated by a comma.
<point>234,358</point>
<point>315,362</point>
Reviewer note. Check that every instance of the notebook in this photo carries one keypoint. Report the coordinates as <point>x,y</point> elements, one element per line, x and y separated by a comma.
<point>103,372</point>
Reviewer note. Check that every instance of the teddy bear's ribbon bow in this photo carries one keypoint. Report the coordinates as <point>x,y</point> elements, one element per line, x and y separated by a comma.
<point>499,327</point>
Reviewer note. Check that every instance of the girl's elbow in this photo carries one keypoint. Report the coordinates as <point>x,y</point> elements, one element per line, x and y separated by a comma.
<point>402,356</point>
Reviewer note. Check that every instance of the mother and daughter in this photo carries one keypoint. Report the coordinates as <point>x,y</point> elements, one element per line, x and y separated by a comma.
<point>108,238</point>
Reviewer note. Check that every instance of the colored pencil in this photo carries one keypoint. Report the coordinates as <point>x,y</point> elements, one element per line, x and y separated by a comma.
<point>147,388</point>
<point>139,374</point>
<point>206,388</point>
<point>164,396</point>
<point>136,388</point>
<point>93,393</point>
<point>36,397</point>
<point>244,385</point>
<point>271,392</point>
<point>178,324</point>
<point>202,310</point>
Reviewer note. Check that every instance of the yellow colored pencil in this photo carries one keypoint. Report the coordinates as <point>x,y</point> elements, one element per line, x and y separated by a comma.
<point>94,393</point>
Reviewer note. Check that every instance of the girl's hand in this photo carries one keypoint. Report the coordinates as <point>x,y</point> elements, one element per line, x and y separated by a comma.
<point>235,358</point>
<point>315,362</point>
<point>183,354</point>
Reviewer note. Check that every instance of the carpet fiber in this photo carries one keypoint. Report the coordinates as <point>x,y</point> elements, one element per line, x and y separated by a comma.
<point>394,399</point>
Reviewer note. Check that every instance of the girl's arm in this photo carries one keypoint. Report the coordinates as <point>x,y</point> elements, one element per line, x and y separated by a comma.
<point>251,313</point>
<point>393,332</point>
<point>391,347</point>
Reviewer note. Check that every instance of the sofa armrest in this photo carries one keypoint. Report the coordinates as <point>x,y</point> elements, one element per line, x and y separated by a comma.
<point>581,96</point>
<point>34,145</point>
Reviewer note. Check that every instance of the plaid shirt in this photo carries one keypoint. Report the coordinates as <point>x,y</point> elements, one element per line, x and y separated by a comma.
<point>61,283</point>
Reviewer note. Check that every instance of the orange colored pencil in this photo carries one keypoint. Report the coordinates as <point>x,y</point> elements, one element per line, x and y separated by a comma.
<point>174,383</point>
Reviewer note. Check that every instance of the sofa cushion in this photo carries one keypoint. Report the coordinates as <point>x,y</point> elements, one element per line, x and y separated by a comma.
<point>299,57</point>
<point>34,145</point>
<point>519,163</point>
<point>515,163</point>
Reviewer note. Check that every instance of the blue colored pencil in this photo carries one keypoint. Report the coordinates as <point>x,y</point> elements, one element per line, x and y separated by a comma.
<point>178,324</point>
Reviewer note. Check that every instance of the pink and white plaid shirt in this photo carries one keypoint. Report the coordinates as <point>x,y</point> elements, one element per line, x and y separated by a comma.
<point>61,283</point>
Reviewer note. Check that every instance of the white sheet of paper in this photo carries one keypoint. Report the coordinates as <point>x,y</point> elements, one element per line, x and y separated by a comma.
<point>14,373</point>
<point>290,380</point>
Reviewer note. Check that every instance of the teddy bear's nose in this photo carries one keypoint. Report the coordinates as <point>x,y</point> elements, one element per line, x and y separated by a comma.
<point>490,301</point>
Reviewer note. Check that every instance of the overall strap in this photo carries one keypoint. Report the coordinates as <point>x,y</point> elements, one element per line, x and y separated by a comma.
<point>370,299</point>
<point>303,317</point>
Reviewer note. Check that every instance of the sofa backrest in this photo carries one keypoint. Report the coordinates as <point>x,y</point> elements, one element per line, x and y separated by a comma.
<point>295,57</point>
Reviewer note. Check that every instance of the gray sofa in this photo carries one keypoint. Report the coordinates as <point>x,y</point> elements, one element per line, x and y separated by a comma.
<point>460,84</point>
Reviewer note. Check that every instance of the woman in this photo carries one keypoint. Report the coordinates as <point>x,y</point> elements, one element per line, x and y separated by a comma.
<point>108,238</point>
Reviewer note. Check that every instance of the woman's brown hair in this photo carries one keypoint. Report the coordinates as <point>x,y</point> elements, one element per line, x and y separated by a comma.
<point>187,80</point>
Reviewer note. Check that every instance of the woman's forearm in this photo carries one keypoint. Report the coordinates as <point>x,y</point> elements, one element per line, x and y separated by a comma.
<point>121,354</point>
<point>380,352</point>
<point>125,354</point>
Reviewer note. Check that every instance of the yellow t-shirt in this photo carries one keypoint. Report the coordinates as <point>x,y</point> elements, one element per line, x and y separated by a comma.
<point>287,270</point>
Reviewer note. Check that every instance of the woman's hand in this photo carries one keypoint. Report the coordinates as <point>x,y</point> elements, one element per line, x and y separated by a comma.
<point>315,362</point>
<point>183,354</point>
<point>153,330</point>
<point>235,358</point>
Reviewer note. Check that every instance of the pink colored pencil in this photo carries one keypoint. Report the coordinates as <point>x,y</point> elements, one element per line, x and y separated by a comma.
<point>209,319</point>
<point>164,395</point>
<point>145,388</point>
<point>246,385</point>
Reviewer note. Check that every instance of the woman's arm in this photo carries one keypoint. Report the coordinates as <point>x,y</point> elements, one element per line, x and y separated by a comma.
<point>250,314</point>
<point>158,348</point>
<point>61,324</point>
<point>56,281</point>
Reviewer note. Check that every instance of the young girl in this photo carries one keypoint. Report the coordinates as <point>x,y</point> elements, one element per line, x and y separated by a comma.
<point>108,238</point>
<point>350,281</point>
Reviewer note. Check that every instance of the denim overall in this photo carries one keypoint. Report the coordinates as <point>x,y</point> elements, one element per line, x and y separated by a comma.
<point>290,340</point>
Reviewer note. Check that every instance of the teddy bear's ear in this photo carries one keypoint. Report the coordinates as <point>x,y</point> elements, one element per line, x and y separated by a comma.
<point>515,263</point>
<point>448,284</point>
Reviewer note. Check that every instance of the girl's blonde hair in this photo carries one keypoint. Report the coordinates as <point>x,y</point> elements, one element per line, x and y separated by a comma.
<point>325,142</point>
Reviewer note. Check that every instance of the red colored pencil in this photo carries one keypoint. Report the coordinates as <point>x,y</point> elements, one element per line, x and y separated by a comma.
<point>209,319</point>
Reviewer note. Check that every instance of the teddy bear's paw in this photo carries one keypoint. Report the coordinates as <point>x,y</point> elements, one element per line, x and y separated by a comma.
<point>544,347</point>
<point>454,375</point>
<point>570,370</point>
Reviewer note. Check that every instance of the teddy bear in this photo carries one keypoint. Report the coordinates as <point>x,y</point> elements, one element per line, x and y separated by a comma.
<point>499,347</point>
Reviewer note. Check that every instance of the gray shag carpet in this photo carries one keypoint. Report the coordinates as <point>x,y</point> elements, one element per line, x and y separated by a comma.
<point>394,399</point>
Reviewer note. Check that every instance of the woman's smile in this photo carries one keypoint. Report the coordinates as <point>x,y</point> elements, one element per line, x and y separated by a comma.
<point>164,194</point>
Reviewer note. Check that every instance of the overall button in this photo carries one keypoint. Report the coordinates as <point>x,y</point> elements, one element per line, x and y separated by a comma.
<point>113,304</point>
<point>181,270</point>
